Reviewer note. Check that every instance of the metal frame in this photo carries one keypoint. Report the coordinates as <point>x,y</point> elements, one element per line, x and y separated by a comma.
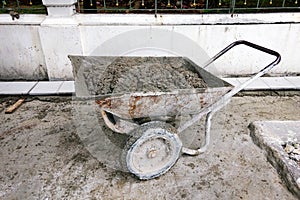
<point>210,110</point>
<point>255,6</point>
<point>232,7</point>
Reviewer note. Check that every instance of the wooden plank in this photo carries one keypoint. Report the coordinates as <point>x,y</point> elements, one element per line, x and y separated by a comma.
<point>13,107</point>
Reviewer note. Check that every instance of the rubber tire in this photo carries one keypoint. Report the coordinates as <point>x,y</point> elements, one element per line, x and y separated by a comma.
<point>163,139</point>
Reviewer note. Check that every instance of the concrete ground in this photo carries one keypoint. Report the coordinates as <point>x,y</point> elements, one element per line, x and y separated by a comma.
<point>47,152</point>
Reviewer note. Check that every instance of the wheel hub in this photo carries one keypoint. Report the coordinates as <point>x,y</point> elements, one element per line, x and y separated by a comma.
<point>152,153</point>
<point>155,152</point>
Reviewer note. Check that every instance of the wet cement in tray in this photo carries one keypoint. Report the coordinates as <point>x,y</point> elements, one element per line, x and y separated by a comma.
<point>140,74</point>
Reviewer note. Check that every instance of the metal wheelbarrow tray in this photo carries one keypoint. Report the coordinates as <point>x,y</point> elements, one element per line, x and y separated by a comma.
<point>154,146</point>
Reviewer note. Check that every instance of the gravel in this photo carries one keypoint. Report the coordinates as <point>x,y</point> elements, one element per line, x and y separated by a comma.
<point>293,151</point>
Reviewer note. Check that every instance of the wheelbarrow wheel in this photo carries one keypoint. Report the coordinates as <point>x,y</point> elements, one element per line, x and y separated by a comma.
<point>152,150</point>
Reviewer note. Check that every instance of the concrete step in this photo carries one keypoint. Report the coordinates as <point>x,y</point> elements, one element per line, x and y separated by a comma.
<point>268,83</point>
<point>37,88</point>
<point>274,137</point>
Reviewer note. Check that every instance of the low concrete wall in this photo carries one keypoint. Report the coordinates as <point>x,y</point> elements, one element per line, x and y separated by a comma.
<point>36,46</point>
<point>21,54</point>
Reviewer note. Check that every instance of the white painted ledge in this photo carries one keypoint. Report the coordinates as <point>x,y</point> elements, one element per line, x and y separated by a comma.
<point>185,19</point>
<point>150,19</point>
<point>58,2</point>
<point>25,19</point>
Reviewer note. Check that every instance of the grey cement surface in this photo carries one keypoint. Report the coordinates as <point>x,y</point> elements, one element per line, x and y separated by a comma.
<point>45,154</point>
<point>272,136</point>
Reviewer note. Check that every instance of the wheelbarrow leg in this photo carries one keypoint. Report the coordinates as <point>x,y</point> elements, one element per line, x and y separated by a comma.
<point>194,152</point>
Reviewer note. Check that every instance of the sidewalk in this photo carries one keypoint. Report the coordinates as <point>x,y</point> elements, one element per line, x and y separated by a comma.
<point>67,87</point>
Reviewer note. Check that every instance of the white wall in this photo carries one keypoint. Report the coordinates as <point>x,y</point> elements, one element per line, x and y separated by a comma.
<point>21,54</point>
<point>195,36</point>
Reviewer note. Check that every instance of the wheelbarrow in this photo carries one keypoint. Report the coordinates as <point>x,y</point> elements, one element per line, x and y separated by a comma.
<point>153,145</point>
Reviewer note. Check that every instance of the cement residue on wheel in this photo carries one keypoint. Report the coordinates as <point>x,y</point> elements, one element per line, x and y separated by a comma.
<point>152,151</point>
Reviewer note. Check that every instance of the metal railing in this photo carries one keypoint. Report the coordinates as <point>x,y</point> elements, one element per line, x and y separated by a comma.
<point>186,6</point>
<point>22,6</point>
<point>159,6</point>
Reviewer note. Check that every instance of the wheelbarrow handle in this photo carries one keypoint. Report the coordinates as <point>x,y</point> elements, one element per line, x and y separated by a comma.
<point>263,71</point>
<point>255,46</point>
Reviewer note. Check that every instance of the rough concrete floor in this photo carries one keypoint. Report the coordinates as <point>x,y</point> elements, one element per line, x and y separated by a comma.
<point>44,156</point>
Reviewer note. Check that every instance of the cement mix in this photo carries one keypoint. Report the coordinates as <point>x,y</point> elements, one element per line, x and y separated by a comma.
<point>105,75</point>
